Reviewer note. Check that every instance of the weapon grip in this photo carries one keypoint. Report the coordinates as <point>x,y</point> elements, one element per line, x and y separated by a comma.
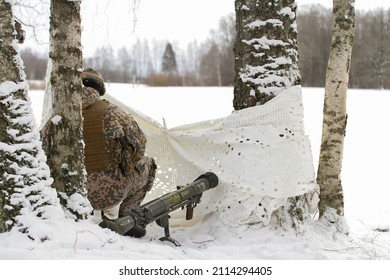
<point>189,212</point>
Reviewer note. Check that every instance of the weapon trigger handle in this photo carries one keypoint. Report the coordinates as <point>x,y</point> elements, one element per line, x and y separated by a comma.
<point>189,212</point>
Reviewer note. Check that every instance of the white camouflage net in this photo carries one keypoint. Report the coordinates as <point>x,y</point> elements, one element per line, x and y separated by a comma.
<point>261,156</point>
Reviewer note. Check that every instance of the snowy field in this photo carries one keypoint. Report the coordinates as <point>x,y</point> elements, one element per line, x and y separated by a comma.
<point>364,177</point>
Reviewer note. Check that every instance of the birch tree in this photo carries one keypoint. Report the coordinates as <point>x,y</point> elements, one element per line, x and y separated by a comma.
<point>63,132</point>
<point>266,63</point>
<point>334,114</point>
<point>266,50</point>
<point>25,193</point>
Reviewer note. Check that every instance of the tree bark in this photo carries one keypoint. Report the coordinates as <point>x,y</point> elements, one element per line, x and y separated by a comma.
<point>335,113</point>
<point>266,63</point>
<point>266,50</point>
<point>8,72</point>
<point>66,152</point>
<point>24,176</point>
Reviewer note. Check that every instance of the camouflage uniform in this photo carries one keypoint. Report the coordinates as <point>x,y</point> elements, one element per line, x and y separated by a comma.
<point>128,174</point>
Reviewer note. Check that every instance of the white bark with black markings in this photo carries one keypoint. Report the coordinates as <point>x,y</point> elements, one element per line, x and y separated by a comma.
<point>335,112</point>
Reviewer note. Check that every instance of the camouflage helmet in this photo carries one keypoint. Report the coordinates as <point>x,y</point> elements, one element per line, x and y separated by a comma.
<point>92,78</point>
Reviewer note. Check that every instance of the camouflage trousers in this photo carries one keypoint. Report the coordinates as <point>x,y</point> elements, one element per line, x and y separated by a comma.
<point>107,190</point>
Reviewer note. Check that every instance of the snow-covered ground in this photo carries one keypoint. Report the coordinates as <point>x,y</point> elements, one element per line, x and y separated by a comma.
<point>364,177</point>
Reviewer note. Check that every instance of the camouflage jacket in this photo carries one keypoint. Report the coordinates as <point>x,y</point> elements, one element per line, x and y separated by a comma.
<point>125,145</point>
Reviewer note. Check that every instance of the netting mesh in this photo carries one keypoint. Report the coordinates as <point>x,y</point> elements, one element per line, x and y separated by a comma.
<point>261,156</point>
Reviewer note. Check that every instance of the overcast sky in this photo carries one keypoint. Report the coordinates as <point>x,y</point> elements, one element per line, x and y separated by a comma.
<point>117,23</point>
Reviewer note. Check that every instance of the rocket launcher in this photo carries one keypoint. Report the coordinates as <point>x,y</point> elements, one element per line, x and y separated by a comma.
<point>158,209</point>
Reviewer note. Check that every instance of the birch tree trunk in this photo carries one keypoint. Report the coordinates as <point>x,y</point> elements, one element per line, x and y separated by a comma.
<point>335,115</point>
<point>65,147</point>
<point>266,50</point>
<point>266,63</point>
<point>24,176</point>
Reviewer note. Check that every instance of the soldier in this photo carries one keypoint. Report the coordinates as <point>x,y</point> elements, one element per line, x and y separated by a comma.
<point>118,173</point>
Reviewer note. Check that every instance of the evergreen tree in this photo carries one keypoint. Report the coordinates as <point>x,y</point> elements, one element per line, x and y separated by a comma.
<point>169,60</point>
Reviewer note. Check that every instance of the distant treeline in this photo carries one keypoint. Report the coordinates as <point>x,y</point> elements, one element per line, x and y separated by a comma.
<point>210,63</point>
